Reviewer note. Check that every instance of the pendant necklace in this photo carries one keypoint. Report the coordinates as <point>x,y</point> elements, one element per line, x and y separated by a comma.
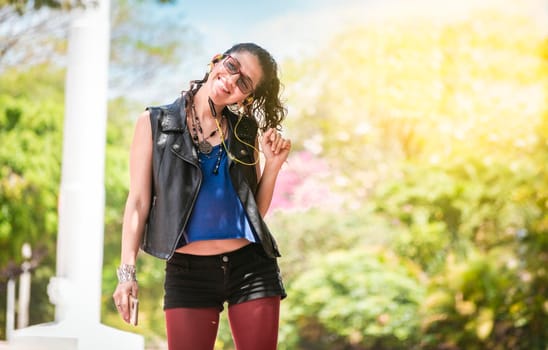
<point>204,146</point>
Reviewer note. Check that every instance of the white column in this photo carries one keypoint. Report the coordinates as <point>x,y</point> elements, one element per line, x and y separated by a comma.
<point>24,297</point>
<point>76,288</point>
<point>10,308</point>
<point>24,288</point>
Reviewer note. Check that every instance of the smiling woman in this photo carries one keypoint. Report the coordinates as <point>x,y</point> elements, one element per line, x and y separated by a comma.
<point>209,194</point>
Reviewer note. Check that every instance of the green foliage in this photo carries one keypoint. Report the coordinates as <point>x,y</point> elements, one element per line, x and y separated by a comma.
<point>30,160</point>
<point>487,261</point>
<point>320,232</point>
<point>24,6</point>
<point>447,206</point>
<point>436,126</point>
<point>358,299</point>
<point>30,163</point>
<point>494,299</point>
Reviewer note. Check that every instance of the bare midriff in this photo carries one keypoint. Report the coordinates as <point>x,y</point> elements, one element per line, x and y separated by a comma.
<point>213,246</point>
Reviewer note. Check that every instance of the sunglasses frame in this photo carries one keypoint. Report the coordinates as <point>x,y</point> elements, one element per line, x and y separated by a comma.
<point>234,69</point>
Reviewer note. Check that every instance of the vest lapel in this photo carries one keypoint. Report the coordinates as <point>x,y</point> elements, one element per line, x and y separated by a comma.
<point>174,122</point>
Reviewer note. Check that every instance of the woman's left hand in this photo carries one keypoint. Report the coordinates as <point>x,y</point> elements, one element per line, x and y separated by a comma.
<point>275,147</point>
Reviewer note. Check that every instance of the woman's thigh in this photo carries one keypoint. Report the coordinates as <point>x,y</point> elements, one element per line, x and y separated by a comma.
<point>191,329</point>
<point>255,323</point>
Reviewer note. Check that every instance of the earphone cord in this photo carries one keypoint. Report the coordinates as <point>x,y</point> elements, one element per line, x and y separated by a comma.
<point>233,158</point>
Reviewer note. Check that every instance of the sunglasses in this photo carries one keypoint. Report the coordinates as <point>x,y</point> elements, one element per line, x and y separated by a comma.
<point>232,66</point>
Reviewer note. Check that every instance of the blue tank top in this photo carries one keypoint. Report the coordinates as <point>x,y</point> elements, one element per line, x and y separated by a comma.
<point>218,212</point>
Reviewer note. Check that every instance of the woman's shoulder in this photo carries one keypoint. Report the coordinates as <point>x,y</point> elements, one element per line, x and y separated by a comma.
<point>169,118</point>
<point>172,107</point>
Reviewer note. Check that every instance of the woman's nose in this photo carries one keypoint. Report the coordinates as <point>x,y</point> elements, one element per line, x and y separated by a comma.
<point>233,78</point>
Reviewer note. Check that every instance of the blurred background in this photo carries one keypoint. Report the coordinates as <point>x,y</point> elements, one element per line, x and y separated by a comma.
<point>413,211</point>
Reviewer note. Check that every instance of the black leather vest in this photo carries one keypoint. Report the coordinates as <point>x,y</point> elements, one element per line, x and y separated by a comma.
<point>176,178</point>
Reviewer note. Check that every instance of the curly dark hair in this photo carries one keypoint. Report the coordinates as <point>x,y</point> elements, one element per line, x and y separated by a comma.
<point>266,107</point>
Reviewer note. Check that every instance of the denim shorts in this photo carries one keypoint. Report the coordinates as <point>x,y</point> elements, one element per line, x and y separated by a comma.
<point>196,281</point>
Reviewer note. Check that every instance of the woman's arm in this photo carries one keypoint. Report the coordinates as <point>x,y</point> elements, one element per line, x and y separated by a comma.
<point>137,207</point>
<point>275,149</point>
<point>138,200</point>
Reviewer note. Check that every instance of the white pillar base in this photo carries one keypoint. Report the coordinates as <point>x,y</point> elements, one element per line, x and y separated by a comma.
<point>70,336</point>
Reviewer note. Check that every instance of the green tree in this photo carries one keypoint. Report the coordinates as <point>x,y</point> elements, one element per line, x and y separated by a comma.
<point>440,126</point>
<point>31,114</point>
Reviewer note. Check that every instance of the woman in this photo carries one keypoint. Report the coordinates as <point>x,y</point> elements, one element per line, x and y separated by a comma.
<point>197,198</point>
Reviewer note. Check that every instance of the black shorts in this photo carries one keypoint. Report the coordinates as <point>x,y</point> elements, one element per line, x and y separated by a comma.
<point>198,281</point>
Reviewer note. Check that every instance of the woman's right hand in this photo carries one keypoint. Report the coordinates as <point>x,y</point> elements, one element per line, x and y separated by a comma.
<point>121,297</point>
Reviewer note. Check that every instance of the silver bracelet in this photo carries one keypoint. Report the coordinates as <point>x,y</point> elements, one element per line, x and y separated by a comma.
<point>126,273</point>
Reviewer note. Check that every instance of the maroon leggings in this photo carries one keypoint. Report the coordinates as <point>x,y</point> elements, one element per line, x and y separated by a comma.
<point>254,325</point>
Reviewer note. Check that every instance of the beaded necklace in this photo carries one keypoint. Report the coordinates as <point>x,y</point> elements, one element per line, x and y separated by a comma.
<point>204,147</point>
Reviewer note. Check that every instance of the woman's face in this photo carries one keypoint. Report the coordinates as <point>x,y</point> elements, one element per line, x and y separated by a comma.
<point>234,78</point>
